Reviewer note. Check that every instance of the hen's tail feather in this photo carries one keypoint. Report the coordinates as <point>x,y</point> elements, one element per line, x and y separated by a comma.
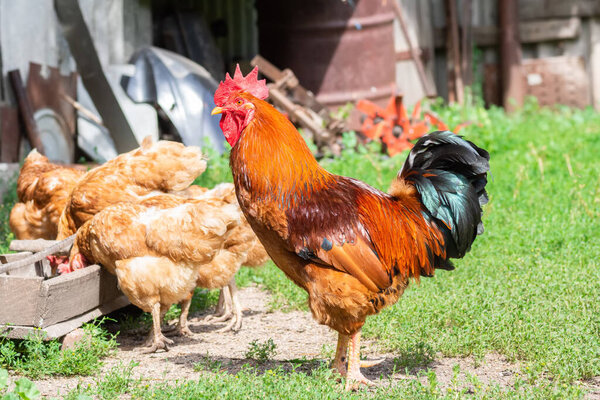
<point>450,174</point>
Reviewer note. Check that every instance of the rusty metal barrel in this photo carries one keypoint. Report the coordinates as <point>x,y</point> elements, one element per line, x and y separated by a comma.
<point>343,51</point>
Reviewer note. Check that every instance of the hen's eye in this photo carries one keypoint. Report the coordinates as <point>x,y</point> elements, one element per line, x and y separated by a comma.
<point>240,102</point>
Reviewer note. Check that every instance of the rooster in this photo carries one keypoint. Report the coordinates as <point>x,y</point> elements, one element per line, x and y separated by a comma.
<point>43,189</point>
<point>353,248</point>
<point>158,249</point>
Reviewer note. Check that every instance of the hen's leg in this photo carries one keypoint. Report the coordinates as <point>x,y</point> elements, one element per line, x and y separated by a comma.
<point>236,322</point>
<point>354,378</point>
<point>182,327</point>
<point>159,341</point>
<point>341,353</point>
<point>223,312</point>
<point>219,309</point>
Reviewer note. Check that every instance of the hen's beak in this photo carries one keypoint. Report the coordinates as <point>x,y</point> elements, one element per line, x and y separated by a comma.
<point>216,110</point>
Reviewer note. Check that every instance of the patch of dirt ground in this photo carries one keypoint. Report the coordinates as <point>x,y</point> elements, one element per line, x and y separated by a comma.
<point>296,335</point>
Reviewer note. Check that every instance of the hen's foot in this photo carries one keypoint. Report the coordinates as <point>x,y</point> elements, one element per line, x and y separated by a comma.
<point>223,311</point>
<point>179,330</point>
<point>234,325</point>
<point>218,317</point>
<point>160,344</point>
<point>169,328</point>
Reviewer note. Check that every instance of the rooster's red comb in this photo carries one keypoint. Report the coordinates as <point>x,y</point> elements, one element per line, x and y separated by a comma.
<point>249,84</point>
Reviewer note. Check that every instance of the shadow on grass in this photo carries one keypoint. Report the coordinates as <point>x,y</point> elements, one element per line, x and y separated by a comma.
<point>384,370</point>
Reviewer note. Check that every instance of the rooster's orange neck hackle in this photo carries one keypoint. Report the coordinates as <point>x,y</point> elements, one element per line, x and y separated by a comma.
<point>268,154</point>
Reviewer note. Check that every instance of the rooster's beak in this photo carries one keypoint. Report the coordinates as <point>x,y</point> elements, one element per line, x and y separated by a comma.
<point>216,110</point>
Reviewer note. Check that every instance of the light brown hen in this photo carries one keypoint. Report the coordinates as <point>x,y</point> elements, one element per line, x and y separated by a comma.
<point>43,189</point>
<point>159,248</point>
<point>163,166</point>
<point>242,248</point>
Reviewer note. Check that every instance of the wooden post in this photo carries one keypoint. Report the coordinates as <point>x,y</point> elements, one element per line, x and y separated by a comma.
<point>33,133</point>
<point>467,43</point>
<point>427,88</point>
<point>10,134</point>
<point>595,60</point>
<point>511,75</point>
<point>455,82</point>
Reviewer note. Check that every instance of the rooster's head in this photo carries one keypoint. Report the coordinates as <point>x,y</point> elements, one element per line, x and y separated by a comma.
<point>234,102</point>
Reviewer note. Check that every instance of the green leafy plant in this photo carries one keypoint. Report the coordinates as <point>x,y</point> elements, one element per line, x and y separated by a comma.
<point>9,200</point>
<point>36,358</point>
<point>261,352</point>
<point>24,389</point>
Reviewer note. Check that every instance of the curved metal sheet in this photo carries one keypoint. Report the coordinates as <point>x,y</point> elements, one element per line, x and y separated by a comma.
<point>183,90</point>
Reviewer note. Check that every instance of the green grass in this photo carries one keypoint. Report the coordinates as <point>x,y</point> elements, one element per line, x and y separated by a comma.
<point>10,198</point>
<point>300,382</point>
<point>35,358</point>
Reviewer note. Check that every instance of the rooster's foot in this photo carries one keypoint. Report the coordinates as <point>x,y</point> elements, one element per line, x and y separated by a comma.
<point>355,380</point>
<point>370,363</point>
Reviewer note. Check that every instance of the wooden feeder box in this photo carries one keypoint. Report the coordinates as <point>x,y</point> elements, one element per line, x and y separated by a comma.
<point>33,302</point>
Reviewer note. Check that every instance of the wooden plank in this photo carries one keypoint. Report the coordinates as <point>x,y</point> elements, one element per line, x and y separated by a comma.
<point>466,44</point>
<point>6,258</point>
<point>595,61</point>
<point>39,256</point>
<point>35,245</point>
<point>26,111</point>
<point>535,9</point>
<point>62,328</point>
<point>10,134</point>
<point>418,18</point>
<point>69,295</point>
<point>412,49</point>
<point>511,74</point>
<point>455,83</point>
<point>19,298</point>
<point>34,269</point>
<point>529,32</point>
<point>549,30</point>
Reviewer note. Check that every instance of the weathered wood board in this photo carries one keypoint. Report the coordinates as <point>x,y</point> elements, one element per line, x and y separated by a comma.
<point>62,328</point>
<point>19,298</point>
<point>529,32</point>
<point>54,307</point>
<point>73,294</point>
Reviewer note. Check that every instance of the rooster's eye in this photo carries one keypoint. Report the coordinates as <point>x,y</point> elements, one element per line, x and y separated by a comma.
<point>240,102</point>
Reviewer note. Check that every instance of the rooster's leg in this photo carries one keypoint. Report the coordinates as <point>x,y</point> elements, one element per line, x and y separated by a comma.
<point>223,310</point>
<point>159,341</point>
<point>341,354</point>
<point>236,322</point>
<point>354,378</point>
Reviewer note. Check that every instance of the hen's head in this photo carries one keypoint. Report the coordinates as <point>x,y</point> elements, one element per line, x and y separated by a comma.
<point>234,100</point>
